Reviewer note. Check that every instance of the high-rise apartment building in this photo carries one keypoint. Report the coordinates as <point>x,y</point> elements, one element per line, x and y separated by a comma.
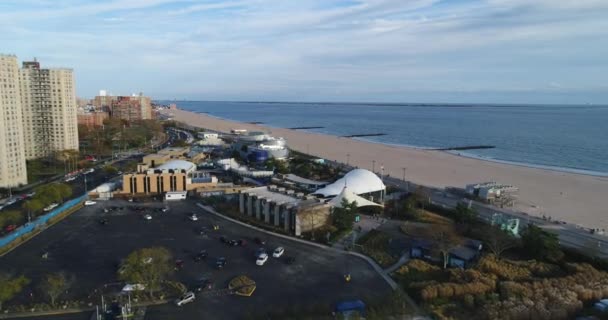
<point>136,107</point>
<point>48,100</point>
<point>12,155</point>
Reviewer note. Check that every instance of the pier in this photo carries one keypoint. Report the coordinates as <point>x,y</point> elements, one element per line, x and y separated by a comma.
<point>255,122</point>
<point>305,128</point>
<point>364,135</point>
<point>465,148</point>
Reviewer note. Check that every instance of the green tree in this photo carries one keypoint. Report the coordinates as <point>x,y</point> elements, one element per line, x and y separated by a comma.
<point>10,286</point>
<point>343,216</point>
<point>53,285</point>
<point>443,239</point>
<point>10,217</point>
<point>33,206</point>
<point>147,266</point>
<point>540,244</point>
<point>464,214</point>
<point>110,170</point>
<point>64,190</point>
<point>47,194</point>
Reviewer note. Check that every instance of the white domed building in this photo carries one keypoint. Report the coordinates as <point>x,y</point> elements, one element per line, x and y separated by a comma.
<point>359,182</point>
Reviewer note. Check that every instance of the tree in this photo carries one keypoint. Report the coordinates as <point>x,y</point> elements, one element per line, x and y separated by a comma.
<point>540,244</point>
<point>33,206</point>
<point>55,284</point>
<point>47,194</point>
<point>464,214</point>
<point>147,266</point>
<point>498,241</point>
<point>422,196</point>
<point>443,239</point>
<point>64,190</point>
<point>10,286</point>
<point>343,217</point>
<point>10,217</point>
<point>110,170</point>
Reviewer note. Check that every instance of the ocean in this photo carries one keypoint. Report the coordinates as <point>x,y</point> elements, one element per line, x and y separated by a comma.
<point>566,138</point>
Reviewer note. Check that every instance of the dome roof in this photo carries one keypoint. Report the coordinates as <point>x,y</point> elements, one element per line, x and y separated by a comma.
<point>358,181</point>
<point>177,165</point>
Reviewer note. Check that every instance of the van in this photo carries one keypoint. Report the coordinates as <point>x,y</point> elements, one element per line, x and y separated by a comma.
<point>186,298</point>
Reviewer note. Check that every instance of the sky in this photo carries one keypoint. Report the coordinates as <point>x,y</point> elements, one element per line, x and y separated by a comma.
<point>501,51</point>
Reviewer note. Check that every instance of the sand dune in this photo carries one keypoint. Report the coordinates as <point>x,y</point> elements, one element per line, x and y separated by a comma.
<point>571,197</point>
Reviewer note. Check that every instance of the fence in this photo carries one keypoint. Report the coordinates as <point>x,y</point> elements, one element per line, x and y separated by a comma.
<point>40,222</point>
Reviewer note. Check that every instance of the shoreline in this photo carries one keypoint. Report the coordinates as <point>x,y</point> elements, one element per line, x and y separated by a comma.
<point>572,197</point>
<point>463,154</point>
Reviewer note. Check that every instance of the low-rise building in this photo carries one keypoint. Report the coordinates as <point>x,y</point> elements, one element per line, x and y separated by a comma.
<point>283,208</point>
<point>166,155</point>
<point>174,175</point>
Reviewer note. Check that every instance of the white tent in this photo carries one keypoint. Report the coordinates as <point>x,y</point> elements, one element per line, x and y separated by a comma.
<point>350,197</point>
<point>359,181</point>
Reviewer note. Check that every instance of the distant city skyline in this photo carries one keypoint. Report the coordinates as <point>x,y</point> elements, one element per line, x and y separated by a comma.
<point>486,51</point>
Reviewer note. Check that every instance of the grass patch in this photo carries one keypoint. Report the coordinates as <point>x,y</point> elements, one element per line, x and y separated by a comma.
<point>375,245</point>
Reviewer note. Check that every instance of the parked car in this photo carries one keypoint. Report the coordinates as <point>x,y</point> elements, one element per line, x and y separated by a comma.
<point>103,221</point>
<point>70,178</point>
<point>220,263</point>
<point>179,264</point>
<point>202,285</point>
<point>11,201</point>
<point>91,170</point>
<point>147,217</point>
<point>186,298</point>
<point>261,259</point>
<point>51,207</point>
<point>242,242</point>
<point>201,231</point>
<point>201,256</point>
<point>290,260</point>
<point>260,241</point>
<point>10,228</point>
<point>164,209</point>
<point>278,252</point>
<point>233,243</point>
<point>259,252</point>
<point>193,217</point>
<point>89,203</point>
<point>223,239</point>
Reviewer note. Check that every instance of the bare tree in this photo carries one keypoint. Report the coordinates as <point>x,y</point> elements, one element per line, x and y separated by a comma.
<point>54,285</point>
<point>498,241</point>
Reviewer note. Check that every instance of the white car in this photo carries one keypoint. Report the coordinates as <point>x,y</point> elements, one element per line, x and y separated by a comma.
<point>261,259</point>
<point>193,217</point>
<point>278,252</point>
<point>72,178</point>
<point>164,209</point>
<point>186,298</point>
<point>89,203</point>
<point>133,287</point>
<point>51,207</point>
<point>147,217</point>
<point>89,171</point>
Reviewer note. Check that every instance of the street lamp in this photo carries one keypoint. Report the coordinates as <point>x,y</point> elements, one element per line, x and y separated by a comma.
<point>374,166</point>
<point>404,168</point>
<point>347,159</point>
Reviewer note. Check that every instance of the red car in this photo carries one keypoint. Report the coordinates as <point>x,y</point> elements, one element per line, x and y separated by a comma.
<point>10,228</point>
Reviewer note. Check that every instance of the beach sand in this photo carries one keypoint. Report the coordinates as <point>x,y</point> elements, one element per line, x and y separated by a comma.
<point>571,197</point>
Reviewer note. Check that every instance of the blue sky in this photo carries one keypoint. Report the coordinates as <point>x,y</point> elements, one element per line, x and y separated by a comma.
<point>506,51</point>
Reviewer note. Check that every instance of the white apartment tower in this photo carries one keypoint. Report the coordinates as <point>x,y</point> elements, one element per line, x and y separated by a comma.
<point>12,154</point>
<point>48,100</point>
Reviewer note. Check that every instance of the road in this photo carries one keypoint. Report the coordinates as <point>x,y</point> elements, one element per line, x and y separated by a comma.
<point>569,235</point>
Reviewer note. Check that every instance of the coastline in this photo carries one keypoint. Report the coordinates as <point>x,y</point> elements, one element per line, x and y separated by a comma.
<point>464,154</point>
<point>567,196</point>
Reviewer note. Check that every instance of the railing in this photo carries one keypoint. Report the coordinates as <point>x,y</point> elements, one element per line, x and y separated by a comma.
<point>40,221</point>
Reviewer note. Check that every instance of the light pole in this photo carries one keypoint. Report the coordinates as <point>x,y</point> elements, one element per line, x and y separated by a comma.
<point>404,168</point>
<point>347,159</point>
<point>85,184</point>
<point>374,166</point>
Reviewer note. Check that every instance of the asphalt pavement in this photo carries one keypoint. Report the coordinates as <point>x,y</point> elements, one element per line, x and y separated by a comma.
<point>90,252</point>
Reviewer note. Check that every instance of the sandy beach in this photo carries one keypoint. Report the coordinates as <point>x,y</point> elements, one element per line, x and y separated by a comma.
<point>571,197</point>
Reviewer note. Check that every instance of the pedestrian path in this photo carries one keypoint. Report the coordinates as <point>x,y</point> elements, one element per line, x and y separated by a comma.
<point>405,258</point>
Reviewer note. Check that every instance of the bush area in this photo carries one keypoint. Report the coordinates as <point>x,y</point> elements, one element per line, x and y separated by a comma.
<point>119,134</point>
<point>375,245</point>
<point>504,289</point>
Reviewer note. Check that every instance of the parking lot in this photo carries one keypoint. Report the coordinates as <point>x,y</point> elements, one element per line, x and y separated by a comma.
<point>91,251</point>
